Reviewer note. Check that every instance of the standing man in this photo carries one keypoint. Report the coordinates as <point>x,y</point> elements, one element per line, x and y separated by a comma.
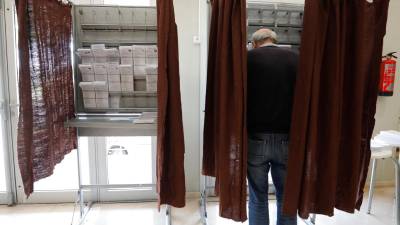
<point>271,81</point>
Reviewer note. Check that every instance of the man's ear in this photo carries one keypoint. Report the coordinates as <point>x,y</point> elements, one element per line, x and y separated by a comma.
<point>254,44</point>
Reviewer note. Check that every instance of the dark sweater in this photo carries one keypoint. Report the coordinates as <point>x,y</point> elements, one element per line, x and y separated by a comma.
<point>270,87</point>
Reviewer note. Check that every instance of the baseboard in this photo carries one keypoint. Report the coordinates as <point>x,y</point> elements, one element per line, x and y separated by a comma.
<point>192,195</point>
<point>381,184</point>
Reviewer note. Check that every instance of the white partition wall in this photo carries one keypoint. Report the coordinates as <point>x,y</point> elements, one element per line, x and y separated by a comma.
<point>3,142</point>
<point>8,103</point>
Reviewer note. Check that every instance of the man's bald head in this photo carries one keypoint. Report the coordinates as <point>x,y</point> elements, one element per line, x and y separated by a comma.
<point>263,36</point>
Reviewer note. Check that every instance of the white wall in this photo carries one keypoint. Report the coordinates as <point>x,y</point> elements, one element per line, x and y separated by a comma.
<point>187,19</point>
<point>388,108</point>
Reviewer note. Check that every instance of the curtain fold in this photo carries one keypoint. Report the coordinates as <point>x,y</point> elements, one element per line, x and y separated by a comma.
<point>334,105</point>
<point>170,139</point>
<point>225,134</point>
<point>45,88</point>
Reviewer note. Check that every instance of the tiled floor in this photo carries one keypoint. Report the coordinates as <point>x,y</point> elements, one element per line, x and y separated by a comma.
<point>147,214</point>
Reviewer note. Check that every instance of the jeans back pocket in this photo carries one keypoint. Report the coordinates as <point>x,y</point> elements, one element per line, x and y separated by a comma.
<point>256,147</point>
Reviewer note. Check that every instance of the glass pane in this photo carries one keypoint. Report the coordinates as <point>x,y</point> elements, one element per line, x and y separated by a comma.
<point>84,157</point>
<point>3,186</point>
<point>65,176</point>
<point>129,160</point>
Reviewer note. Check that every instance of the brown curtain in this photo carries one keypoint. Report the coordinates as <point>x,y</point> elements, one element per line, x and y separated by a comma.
<point>170,141</point>
<point>334,105</point>
<point>225,135</point>
<point>45,88</point>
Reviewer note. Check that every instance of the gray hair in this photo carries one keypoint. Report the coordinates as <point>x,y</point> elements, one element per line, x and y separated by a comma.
<point>263,34</point>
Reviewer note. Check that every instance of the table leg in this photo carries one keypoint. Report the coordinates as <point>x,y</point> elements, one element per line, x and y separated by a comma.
<point>371,185</point>
<point>203,207</point>
<point>397,165</point>
<point>168,215</point>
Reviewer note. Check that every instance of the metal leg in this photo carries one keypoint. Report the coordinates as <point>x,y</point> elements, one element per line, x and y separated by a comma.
<point>203,207</point>
<point>83,210</point>
<point>168,215</point>
<point>203,201</point>
<point>80,191</point>
<point>311,220</point>
<point>372,185</point>
<point>397,165</point>
<point>81,204</point>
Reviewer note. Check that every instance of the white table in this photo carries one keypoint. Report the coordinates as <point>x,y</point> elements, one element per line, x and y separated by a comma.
<point>384,146</point>
<point>109,126</point>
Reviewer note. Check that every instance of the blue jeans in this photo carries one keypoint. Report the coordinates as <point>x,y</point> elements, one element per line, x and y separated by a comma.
<point>267,151</point>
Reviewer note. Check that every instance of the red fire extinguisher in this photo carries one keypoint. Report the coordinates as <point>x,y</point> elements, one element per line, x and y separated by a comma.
<point>388,73</point>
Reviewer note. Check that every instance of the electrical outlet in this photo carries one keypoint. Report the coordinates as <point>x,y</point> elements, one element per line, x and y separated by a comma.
<point>196,40</point>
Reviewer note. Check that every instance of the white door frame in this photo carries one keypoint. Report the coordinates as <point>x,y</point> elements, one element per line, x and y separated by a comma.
<point>7,54</point>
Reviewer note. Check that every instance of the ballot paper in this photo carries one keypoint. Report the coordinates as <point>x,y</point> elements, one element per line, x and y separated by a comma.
<point>151,83</point>
<point>126,69</point>
<point>99,53</point>
<point>151,61</point>
<point>100,68</point>
<point>86,69</point>
<point>139,61</point>
<point>101,77</point>
<point>127,78</point>
<point>151,70</point>
<point>151,87</point>
<point>87,86</point>
<point>84,52</point>
<point>151,51</point>
<point>115,101</point>
<point>114,86</point>
<point>151,79</point>
<point>87,60</point>
<point>88,77</point>
<point>100,59</point>
<point>127,86</point>
<point>112,52</point>
<point>112,55</point>
<point>139,70</point>
<point>86,55</point>
<point>126,51</point>
<point>89,103</point>
<point>127,61</point>
<point>113,68</point>
<point>139,51</point>
<point>101,94</point>
<point>114,78</point>
<point>100,85</point>
<point>102,103</point>
<point>88,94</point>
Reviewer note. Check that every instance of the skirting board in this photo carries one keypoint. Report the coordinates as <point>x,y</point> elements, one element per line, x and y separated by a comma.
<point>381,184</point>
<point>192,195</point>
